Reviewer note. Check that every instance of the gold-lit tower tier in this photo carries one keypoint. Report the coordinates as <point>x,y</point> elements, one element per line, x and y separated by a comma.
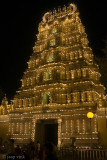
<point>60,85</point>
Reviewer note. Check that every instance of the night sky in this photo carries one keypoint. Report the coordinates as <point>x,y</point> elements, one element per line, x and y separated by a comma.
<point>19,26</point>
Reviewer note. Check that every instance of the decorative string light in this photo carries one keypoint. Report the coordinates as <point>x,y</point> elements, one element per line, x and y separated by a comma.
<point>61,81</point>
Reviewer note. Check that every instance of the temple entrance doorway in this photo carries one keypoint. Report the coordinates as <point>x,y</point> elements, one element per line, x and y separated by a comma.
<point>47,131</point>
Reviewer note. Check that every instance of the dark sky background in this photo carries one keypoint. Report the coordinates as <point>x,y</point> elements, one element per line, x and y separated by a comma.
<point>19,26</point>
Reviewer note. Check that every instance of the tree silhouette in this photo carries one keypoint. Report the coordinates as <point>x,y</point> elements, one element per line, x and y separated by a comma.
<point>1,95</point>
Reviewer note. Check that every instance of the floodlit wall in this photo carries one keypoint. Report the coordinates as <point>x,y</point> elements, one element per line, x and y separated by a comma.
<point>4,127</point>
<point>102,128</point>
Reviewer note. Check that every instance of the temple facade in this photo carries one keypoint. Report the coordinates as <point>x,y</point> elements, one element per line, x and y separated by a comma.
<point>59,87</point>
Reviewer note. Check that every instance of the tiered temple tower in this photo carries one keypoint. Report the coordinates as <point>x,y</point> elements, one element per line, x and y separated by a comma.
<point>60,85</point>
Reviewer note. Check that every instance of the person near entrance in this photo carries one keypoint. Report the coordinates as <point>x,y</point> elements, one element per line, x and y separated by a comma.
<point>38,146</point>
<point>49,152</point>
<point>42,153</point>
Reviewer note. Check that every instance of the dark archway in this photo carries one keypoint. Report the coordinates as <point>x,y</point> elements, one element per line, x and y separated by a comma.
<point>47,131</point>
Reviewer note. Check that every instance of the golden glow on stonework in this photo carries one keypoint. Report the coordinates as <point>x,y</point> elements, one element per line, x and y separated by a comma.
<point>52,42</point>
<point>62,82</point>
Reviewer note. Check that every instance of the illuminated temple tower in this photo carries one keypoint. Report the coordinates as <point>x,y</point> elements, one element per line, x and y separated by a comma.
<point>60,85</point>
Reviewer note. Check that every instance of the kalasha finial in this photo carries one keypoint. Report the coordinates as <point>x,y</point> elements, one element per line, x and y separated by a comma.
<point>54,13</point>
<point>50,17</point>
<point>69,10</point>
<point>64,11</point>
<point>59,12</point>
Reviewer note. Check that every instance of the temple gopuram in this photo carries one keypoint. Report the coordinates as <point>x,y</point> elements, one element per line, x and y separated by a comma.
<point>59,87</point>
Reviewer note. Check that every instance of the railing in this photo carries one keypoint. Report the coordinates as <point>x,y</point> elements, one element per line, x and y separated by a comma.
<point>82,154</point>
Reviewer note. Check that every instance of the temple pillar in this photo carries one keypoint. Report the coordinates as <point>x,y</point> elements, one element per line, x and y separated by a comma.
<point>33,130</point>
<point>59,132</point>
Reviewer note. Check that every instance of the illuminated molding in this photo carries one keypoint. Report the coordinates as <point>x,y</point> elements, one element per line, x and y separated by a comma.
<point>78,127</point>
<point>83,125</point>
